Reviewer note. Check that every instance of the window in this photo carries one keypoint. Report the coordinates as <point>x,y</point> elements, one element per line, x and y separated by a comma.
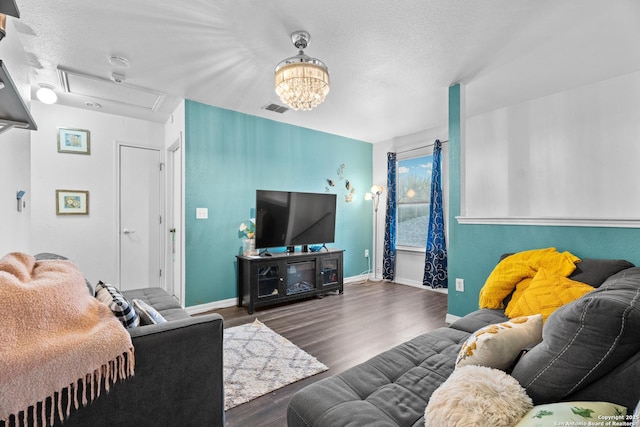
<point>413,197</point>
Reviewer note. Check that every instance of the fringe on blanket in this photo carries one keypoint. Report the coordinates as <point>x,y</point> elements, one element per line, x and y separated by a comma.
<point>77,394</point>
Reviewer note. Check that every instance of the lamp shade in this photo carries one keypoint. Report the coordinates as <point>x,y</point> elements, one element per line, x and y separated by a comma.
<point>377,189</point>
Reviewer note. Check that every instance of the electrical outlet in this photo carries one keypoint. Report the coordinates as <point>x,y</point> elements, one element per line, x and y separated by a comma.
<point>459,284</point>
<point>366,253</point>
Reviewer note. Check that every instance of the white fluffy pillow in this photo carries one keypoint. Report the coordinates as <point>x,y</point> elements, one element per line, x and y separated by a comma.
<point>497,346</point>
<point>477,396</point>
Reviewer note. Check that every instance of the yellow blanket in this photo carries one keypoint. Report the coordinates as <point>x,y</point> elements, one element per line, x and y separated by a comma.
<point>54,336</point>
<point>523,266</point>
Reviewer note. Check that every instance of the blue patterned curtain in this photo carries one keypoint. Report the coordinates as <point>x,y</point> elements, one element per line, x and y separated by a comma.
<point>389,255</point>
<point>435,263</point>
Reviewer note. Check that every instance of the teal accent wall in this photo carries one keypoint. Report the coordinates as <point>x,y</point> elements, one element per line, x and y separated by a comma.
<point>474,250</point>
<point>228,156</point>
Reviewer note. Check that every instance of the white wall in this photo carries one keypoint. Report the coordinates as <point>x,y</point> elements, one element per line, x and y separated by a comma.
<point>15,169</point>
<point>174,128</point>
<point>14,176</point>
<point>91,241</point>
<point>409,264</point>
<point>573,154</point>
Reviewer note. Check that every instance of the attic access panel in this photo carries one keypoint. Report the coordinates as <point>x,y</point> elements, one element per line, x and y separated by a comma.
<point>13,110</point>
<point>107,90</point>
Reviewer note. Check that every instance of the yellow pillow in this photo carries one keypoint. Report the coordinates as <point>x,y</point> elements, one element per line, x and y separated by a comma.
<point>511,270</point>
<point>546,293</point>
<point>521,287</point>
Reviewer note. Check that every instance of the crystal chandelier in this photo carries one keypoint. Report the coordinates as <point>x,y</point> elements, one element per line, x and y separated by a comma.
<point>302,82</point>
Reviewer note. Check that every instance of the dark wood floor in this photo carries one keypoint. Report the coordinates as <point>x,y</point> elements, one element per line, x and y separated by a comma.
<point>340,331</point>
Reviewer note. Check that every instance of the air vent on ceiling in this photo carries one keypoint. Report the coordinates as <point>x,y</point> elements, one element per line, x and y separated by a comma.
<point>275,108</point>
<point>107,90</point>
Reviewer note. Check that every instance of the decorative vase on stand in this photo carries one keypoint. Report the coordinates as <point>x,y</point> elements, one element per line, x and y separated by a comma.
<point>249,247</point>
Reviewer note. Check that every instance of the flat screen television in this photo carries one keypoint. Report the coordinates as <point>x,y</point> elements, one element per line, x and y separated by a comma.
<point>288,218</point>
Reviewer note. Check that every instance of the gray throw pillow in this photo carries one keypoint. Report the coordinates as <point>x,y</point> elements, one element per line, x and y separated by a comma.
<point>584,340</point>
<point>148,314</point>
<point>595,271</point>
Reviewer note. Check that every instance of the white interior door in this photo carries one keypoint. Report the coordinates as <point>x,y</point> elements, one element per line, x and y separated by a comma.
<point>140,217</point>
<point>174,221</point>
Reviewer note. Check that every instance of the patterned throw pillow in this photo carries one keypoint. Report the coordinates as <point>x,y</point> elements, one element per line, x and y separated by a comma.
<point>575,414</point>
<point>545,294</point>
<point>148,315</point>
<point>497,346</point>
<point>113,298</point>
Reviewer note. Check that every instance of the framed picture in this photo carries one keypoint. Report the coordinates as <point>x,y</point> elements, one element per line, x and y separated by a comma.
<point>72,202</point>
<point>75,141</point>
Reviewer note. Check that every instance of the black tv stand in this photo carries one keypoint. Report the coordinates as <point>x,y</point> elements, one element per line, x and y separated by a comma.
<point>284,277</point>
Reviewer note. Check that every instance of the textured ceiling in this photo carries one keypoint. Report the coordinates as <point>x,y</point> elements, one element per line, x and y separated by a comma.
<point>391,62</point>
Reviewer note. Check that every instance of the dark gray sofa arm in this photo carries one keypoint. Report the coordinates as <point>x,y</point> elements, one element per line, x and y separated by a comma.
<point>177,381</point>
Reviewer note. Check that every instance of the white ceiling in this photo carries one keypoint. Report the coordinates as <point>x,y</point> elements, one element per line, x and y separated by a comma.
<point>391,62</point>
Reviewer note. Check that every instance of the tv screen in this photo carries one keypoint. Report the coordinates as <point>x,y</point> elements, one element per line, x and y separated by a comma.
<point>287,218</point>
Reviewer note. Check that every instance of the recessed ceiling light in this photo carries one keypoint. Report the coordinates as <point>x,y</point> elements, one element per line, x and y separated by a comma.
<point>93,104</point>
<point>46,95</point>
<point>119,61</point>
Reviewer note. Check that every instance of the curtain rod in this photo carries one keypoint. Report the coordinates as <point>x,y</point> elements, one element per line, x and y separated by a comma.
<point>420,148</point>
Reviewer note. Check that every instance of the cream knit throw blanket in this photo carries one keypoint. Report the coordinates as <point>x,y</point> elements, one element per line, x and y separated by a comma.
<point>54,336</point>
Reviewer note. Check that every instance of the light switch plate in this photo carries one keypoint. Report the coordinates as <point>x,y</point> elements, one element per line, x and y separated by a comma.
<point>202,213</point>
<point>459,285</point>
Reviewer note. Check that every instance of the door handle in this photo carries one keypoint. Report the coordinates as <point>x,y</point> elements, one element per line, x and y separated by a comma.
<point>126,231</point>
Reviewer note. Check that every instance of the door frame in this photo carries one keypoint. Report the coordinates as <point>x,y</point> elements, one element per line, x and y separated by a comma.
<point>162,207</point>
<point>171,200</point>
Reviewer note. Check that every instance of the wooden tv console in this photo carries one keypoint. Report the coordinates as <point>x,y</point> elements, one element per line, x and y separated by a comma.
<point>288,276</point>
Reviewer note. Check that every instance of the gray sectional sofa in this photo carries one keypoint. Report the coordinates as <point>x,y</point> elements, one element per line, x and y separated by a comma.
<point>590,352</point>
<point>178,372</point>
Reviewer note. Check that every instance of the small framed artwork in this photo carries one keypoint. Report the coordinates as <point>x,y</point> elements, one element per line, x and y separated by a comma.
<point>72,202</point>
<point>76,141</point>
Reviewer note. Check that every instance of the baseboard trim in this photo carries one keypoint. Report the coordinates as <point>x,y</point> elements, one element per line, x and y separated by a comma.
<point>210,306</point>
<point>450,318</point>
<point>420,286</point>
<point>355,279</point>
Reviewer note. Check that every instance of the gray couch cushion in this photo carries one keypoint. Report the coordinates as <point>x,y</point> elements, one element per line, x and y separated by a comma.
<point>158,298</point>
<point>595,271</point>
<point>479,319</point>
<point>391,389</point>
<point>584,341</point>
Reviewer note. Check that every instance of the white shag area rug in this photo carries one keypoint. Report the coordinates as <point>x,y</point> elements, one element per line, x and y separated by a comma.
<point>258,361</point>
